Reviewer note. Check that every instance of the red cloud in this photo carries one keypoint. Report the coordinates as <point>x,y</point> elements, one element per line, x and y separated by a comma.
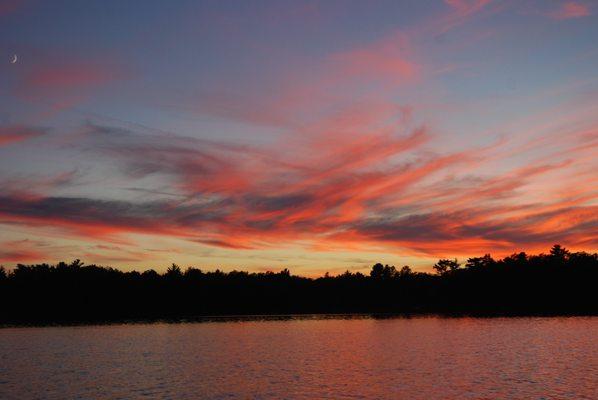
<point>65,77</point>
<point>570,9</point>
<point>369,193</point>
<point>18,256</point>
<point>63,84</point>
<point>352,173</point>
<point>17,133</point>
<point>19,251</point>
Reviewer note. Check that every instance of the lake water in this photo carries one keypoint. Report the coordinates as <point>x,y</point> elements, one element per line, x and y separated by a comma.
<point>361,358</point>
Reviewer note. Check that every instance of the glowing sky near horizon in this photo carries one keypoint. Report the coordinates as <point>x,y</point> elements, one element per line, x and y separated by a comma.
<point>317,136</point>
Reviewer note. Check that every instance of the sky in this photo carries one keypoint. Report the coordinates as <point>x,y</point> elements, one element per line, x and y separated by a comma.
<point>314,136</point>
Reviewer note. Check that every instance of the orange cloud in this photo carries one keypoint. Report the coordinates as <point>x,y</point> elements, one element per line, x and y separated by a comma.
<point>369,193</point>
<point>351,169</point>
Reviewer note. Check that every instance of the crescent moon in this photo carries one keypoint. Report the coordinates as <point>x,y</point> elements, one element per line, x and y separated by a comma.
<point>14,59</point>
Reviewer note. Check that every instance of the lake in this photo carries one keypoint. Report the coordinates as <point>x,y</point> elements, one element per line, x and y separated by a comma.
<point>306,358</point>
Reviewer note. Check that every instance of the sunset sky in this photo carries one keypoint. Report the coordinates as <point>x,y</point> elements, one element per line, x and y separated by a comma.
<point>317,136</point>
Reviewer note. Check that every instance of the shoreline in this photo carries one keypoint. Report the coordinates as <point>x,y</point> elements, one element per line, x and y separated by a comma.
<point>293,317</point>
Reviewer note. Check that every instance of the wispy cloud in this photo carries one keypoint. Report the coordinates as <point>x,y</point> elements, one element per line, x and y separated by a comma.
<point>10,134</point>
<point>570,9</point>
<point>360,144</point>
<point>9,6</point>
<point>467,7</point>
<point>371,193</point>
<point>19,251</point>
<point>61,82</point>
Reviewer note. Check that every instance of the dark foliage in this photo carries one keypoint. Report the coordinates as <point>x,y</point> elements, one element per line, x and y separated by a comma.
<point>558,283</point>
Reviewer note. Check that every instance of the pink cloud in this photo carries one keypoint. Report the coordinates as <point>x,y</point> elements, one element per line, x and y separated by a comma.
<point>9,6</point>
<point>310,98</point>
<point>17,133</point>
<point>466,7</point>
<point>65,77</point>
<point>461,11</point>
<point>18,251</point>
<point>64,84</point>
<point>387,60</point>
<point>351,170</point>
<point>369,193</point>
<point>570,9</point>
<point>33,187</point>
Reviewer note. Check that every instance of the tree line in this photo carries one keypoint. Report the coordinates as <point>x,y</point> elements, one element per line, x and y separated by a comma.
<point>558,283</point>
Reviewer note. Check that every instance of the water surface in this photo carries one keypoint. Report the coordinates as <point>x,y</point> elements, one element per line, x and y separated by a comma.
<point>363,358</point>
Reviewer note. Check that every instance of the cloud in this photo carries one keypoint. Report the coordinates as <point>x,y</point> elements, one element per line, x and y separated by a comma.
<point>351,168</point>
<point>9,6</point>
<point>242,196</point>
<point>93,217</point>
<point>35,186</point>
<point>570,9</point>
<point>461,11</point>
<point>19,256</point>
<point>362,79</point>
<point>10,134</point>
<point>62,82</point>
<point>467,231</point>
<point>17,251</point>
<point>387,60</point>
<point>466,7</point>
<point>376,191</point>
<point>64,77</point>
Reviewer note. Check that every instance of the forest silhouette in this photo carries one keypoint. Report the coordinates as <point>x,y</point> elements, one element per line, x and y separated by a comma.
<point>557,283</point>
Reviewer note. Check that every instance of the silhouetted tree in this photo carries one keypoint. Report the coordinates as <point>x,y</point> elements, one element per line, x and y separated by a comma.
<point>444,266</point>
<point>480,262</point>
<point>560,282</point>
<point>285,272</point>
<point>174,271</point>
<point>193,273</point>
<point>405,271</point>
<point>377,271</point>
<point>559,253</point>
<point>150,274</point>
<point>380,271</point>
<point>516,258</point>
